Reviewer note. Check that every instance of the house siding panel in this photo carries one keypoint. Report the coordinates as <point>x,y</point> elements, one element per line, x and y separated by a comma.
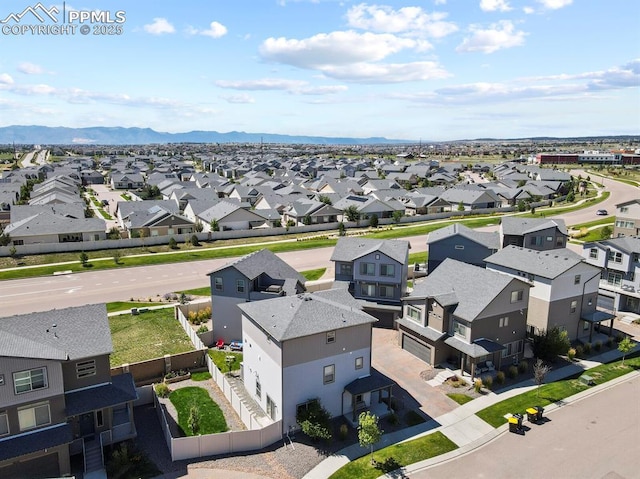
<point>103,373</point>
<point>10,365</point>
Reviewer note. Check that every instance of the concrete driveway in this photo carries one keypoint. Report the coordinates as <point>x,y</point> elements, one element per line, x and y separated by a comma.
<point>404,368</point>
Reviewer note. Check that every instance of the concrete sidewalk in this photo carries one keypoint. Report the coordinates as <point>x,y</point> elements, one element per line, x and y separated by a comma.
<point>462,425</point>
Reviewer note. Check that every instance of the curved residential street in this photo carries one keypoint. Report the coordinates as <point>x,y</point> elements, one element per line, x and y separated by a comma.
<point>596,437</point>
<point>44,293</point>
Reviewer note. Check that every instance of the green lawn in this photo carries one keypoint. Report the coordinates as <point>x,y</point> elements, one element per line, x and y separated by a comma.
<point>594,234</point>
<point>313,274</point>
<point>201,376</point>
<point>418,258</point>
<point>554,392</point>
<point>460,398</point>
<point>219,359</point>
<point>607,220</point>
<point>146,336</point>
<point>397,456</point>
<point>127,305</point>
<point>211,418</point>
<point>205,291</point>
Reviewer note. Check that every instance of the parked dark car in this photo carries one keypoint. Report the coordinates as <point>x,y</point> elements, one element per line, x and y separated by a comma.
<point>602,212</point>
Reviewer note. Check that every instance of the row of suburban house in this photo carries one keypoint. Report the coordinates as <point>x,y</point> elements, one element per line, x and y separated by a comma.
<point>194,202</point>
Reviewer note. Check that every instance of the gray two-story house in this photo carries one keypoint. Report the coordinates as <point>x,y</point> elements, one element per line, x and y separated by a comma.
<point>619,259</point>
<point>465,315</point>
<point>376,271</point>
<point>254,277</point>
<point>627,219</point>
<point>538,234</point>
<point>57,395</point>
<point>459,242</point>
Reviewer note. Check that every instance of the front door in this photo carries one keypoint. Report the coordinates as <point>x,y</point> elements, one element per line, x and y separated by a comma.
<point>87,426</point>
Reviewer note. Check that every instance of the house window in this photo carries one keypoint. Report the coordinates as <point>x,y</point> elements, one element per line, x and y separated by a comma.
<point>386,291</point>
<point>574,306</point>
<point>387,270</point>
<point>517,295</point>
<point>346,269</point>
<point>377,257</point>
<point>549,238</point>
<point>329,374</point>
<point>85,368</point>
<point>459,246</point>
<point>414,314</point>
<point>459,329</point>
<point>359,362</point>
<point>34,416</point>
<point>4,424</point>
<point>217,283</point>
<point>614,278</point>
<point>258,389</point>
<point>368,289</point>
<point>559,241</point>
<point>593,253</point>
<point>240,285</point>
<point>503,321</point>
<point>18,242</point>
<point>26,381</point>
<point>614,256</point>
<point>512,348</point>
<point>635,257</point>
<point>535,240</point>
<point>368,269</point>
<point>624,209</point>
<point>576,279</point>
<point>271,408</point>
<point>331,337</point>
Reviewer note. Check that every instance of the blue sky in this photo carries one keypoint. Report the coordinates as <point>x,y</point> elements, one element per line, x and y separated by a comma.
<point>419,70</point>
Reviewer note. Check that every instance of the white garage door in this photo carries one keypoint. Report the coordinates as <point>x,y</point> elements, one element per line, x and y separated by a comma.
<point>416,348</point>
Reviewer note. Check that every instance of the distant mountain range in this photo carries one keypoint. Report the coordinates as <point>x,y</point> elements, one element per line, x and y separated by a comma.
<point>101,135</point>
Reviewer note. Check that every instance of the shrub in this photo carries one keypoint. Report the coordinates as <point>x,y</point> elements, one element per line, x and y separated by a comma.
<point>610,341</point>
<point>173,244</point>
<point>620,337</point>
<point>162,390</point>
<point>500,377</point>
<point>512,372</point>
<point>579,351</point>
<point>477,385</point>
<point>597,345</point>
<point>314,421</point>
<point>523,367</point>
<point>412,418</point>
<point>194,240</point>
<point>551,343</point>
<point>393,419</point>
<point>587,348</point>
<point>193,420</point>
<point>571,354</point>
<point>487,382</point>
<point>343,432</point>
<point>202,329</point>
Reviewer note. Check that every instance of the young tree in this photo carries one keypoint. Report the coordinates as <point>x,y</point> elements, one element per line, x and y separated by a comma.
<point>213,225</point>
<point>606,232</point>
<point>460,206</point>
<point>369,432</point>
<point>540,371</point>
<point>84,259</point>
<point>198,226</point>
<point>306,220</point>
<point>397,216</point>
<point>314,421</point>
<point>352,213</point>
<point>549,344</point>
<point>373,221</point>
<point>324,199</point>
<point>193,421</point>
<point>341,229</point>
<point>625,346</point>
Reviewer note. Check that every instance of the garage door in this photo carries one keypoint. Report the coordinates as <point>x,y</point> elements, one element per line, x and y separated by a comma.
<point>416,348</point>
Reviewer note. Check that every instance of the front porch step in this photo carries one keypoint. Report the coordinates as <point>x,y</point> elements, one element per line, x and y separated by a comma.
<point>441,377</point>
<point>93,456</point>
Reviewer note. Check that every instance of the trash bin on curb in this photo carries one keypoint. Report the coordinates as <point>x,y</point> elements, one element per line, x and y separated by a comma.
<point>515,423</point>
<point>540,410</point>
<point>532,414</point>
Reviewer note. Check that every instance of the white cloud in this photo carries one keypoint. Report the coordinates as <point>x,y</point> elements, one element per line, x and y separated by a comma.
<point>377,73</point>
<point>159,26</point>
<point>494,5</point>
<point>335,48</point>
<point>6,79</point>
<point>555,4</point>
<point>291,86</point>
<point>412,20</point>
<point>242,98</point>
<point>440,2</point>
<point>528,10</point>
<point>497,37</point>
<point>30,68</point>
<point>215,30</point>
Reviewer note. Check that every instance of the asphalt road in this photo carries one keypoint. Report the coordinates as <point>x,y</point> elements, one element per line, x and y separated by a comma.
<point>596,437</point>
<point>42,294</point>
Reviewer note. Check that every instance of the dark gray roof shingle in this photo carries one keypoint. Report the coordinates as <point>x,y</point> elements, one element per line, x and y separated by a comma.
<point>350,249</point>
<point>263,261</point>
<point>546,264</point>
